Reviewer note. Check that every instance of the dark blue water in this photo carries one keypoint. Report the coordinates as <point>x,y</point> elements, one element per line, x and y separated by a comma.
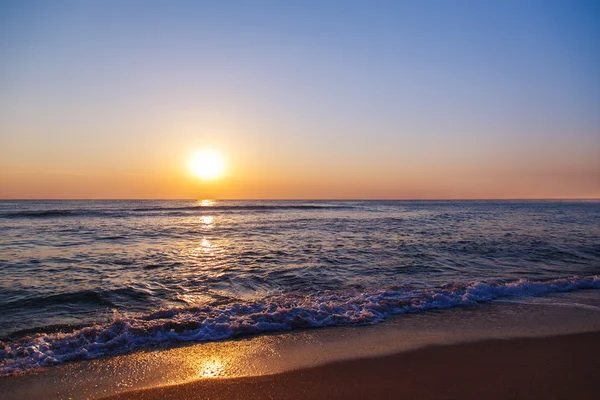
<point>81,279</point>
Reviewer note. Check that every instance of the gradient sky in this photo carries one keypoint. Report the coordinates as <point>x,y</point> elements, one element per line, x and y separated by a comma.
<point>306,99</point>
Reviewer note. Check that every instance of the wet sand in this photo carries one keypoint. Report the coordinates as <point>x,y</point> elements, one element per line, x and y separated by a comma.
<point>559,367</point>
<point>489,351</point>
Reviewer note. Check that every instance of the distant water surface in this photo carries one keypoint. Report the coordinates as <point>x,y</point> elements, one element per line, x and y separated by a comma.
<point>81,279</point>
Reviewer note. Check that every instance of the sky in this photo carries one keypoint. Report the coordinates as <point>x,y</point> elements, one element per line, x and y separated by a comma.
<point>305,99</point>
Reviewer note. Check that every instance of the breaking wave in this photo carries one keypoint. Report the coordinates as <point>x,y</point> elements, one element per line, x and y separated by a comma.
<point>278,313</point>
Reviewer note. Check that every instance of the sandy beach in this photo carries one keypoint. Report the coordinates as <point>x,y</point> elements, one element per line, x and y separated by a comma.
<point>561,367</point>
<point>545,348</point>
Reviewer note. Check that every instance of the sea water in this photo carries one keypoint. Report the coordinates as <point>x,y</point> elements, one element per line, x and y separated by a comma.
<point>84,279</point>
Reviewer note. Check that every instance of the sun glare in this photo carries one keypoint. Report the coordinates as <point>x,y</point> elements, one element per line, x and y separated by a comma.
<point>207,164</point>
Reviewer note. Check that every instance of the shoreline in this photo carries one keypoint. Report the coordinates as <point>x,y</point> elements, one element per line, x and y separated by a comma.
<point>556,367</point>
<point>255,358</point>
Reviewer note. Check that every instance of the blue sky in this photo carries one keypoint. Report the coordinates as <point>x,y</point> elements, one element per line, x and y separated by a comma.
<point>399,99</point>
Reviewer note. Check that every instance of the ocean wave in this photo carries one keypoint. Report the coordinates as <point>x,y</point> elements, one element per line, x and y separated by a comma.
<point>62,214</point>
<point>196,324</point>
<point>165,210</point>
<point>38,214</point>
<point>82,297</point>
<point>92,297</point>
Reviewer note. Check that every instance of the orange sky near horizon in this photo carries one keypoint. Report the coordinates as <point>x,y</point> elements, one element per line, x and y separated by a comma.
<point>264,178</point>
<point>260,164</point>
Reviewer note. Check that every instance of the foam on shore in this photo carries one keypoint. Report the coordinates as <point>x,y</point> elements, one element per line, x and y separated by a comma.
<point>196,324</point>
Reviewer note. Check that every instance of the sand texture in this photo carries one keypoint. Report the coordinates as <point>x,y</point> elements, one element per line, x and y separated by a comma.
<point>561,367</point>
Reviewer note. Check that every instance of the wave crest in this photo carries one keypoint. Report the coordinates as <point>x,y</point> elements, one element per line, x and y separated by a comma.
<point>124,334</point>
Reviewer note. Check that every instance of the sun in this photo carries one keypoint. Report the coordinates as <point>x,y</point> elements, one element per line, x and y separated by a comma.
<point>207,164</point>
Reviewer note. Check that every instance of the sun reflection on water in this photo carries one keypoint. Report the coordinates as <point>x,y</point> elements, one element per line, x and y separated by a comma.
<point>207,221</point>
<point>207,203</point>
<point>205,245</point>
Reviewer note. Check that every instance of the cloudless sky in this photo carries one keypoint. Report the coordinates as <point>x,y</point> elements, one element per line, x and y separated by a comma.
<point>306,99</point>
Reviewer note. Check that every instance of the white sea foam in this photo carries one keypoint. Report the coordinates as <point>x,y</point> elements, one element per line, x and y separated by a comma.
<point>125,334</point>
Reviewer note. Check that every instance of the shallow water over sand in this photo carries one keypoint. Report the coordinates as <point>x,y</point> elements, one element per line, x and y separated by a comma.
<point>275,353</point>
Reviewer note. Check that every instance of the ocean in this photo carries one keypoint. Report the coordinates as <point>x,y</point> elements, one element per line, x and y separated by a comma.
<point>87,279</point>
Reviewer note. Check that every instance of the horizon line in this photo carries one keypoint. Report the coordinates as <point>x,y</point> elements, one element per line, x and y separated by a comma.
<point>311,199</point>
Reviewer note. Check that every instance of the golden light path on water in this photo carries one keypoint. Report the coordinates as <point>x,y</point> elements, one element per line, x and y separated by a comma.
<point>207,203</point>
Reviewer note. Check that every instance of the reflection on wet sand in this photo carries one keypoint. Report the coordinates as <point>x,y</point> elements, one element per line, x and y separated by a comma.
<point>270,354</point>
<point>211,368</point>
